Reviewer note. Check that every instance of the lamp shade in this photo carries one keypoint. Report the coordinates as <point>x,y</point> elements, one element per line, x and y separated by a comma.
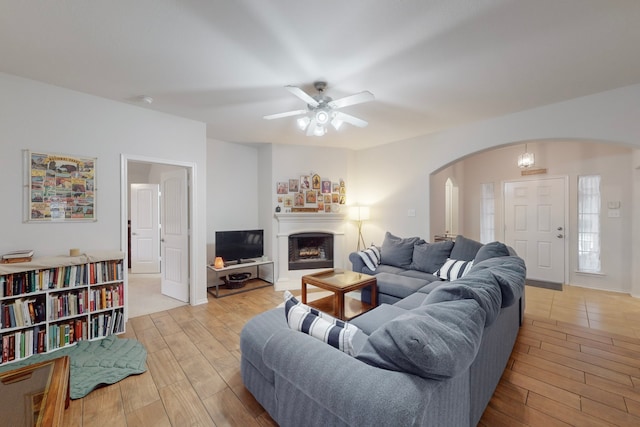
<point>359,213</point>
<point>218,263</point>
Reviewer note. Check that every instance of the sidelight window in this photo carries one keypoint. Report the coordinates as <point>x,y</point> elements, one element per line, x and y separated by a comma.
<point>589,223</point>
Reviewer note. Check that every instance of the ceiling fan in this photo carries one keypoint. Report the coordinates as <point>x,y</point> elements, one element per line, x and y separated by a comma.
<point>322,109</point>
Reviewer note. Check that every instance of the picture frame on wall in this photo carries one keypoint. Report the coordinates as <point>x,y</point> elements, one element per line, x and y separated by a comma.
<point>59,187</point>
<point>293,185</point>
<point>282,187</point>
<point>316,182</point>
<point>311,197</point>
<point>326,187</point>
<point>305,182</point>
<point>298,199</point>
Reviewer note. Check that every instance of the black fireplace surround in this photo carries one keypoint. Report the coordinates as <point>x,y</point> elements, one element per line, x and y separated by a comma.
<point>310,251</point>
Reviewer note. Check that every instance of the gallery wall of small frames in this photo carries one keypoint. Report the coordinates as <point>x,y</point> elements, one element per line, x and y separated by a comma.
<point>310,193</point>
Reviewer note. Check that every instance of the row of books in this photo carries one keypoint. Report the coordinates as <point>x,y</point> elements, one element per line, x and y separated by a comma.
<point>63,334</point>
<point>60,277</point>
<point>22,312</point>
<point>107,323</point>
<point>21,344</point>
<point>75,303</point>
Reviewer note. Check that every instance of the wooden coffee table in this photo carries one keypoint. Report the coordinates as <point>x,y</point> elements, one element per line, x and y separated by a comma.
<point>340,282</point>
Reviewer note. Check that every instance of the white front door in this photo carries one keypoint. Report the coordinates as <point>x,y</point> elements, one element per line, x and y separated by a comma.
<point>175,235</point>
<point>534,217</point>
<point>145,228</point>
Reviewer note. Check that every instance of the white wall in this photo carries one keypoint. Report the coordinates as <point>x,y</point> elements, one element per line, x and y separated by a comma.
<point>232,189</point>
<point>397,174</point>
<point>46,118</point>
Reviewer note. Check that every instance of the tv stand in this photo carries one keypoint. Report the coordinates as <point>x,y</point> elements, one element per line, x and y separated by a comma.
<point>239,261</point>
<point>264,276</point>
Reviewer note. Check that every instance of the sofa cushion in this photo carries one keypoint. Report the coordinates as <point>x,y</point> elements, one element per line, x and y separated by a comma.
<point>384,268</point>
<point>322,326</point>
<point>397,285</point>
<point>465,249</point>
<point>397,251</point>
<point>491,250</point>
<point>412,301</point>
<point>428,277</point>
<point>370,257</point>
<point>429,257</point>
<point>373,319</point>
<point>480,286</point>
<point>454,269</point>
<point>436,341</point>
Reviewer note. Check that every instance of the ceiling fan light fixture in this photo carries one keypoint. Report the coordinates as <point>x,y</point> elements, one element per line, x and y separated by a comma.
<point>319,130</point>
<point>336,123</point>
<point>322,117</point>
<point>303,122</point>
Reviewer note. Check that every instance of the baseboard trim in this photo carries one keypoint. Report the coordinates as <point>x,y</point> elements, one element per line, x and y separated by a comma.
<point>542,284</point>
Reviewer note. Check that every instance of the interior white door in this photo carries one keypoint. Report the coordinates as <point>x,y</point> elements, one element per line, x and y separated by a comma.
<point>534,216</point>
<point>175,235</point>
<point>145,228</point>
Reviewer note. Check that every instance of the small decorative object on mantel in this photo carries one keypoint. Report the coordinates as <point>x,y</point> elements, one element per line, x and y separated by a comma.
<point>24,255</point>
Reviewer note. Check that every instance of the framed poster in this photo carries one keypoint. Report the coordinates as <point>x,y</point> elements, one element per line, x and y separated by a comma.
<point>59,187</point>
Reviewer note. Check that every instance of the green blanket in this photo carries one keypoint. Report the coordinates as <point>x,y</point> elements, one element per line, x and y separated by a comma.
<point>93,363</point>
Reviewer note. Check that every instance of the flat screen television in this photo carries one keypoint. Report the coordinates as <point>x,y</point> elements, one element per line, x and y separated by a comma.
<point>239,245</point>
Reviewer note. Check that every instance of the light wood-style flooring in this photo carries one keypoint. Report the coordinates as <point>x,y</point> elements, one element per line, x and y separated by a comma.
<point>576,362</point>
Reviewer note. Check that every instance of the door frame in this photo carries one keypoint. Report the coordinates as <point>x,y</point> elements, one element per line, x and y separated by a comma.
<point>193,224</point>
<point>567,230</point>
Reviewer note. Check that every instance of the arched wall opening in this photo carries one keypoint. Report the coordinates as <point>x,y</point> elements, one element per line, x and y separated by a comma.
<point>553,158</point>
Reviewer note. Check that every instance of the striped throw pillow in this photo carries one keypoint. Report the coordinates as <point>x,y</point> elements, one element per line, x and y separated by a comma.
<point>326,328</point>
<point>371,257</point>
<point>454,269</point>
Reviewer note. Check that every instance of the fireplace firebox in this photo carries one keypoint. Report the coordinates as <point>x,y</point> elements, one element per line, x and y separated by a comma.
<point>310,251</point>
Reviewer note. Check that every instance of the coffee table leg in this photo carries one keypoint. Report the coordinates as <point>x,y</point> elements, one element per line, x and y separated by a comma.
<point>338,304</point>
<point>374,295</point>
<point>304,291</point>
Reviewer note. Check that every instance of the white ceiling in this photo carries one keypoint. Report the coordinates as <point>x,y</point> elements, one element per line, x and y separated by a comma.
<point>432,64</point>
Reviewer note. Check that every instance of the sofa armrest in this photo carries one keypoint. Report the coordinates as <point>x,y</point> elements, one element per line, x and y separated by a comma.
<point>357,264</point>
<point>357,393</point>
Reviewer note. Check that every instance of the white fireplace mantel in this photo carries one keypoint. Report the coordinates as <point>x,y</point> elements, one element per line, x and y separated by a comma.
<point>304,222</point>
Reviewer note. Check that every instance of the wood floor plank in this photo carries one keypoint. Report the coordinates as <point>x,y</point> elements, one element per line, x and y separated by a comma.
<point>204,379</point>
<point>152,414</point>
<point>617,417</point>
<point>583,366</point>
<point>549,390</point>
<point>564,413</point>
<point>226,409</point>
<point>183,406</point>
<point>138,391</point>
<point>594,360</point>
<point>579,388</point>
<point>164,368</point>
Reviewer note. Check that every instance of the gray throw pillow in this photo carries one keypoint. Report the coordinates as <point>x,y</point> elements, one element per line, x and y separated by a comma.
<point>465,249</point>
<point>397,251</point>
<point>429,257</point>
<point>491,250</point>
<point>436,341</point>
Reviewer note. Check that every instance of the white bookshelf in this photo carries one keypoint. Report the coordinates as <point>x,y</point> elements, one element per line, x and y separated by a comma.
<point>50,303</point>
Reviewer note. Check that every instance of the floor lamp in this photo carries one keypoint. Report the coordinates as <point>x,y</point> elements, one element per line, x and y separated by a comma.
<point>359,214</point>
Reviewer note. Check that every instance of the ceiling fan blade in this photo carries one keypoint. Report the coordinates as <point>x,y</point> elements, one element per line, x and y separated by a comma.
<point>287,114</point>
<point>357,98</point>
<point>302,95</point>
<point>347,118</point>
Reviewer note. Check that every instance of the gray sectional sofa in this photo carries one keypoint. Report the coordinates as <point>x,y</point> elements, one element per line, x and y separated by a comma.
<point>432,358</point>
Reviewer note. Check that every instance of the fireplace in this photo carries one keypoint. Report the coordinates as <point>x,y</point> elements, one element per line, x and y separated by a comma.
<point>310,250</point>
<point>292,223</point>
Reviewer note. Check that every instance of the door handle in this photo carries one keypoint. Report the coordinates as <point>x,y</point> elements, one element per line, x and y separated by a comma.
<point>134,234</point>
<point>559,236</point>
<point>559,229</point>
